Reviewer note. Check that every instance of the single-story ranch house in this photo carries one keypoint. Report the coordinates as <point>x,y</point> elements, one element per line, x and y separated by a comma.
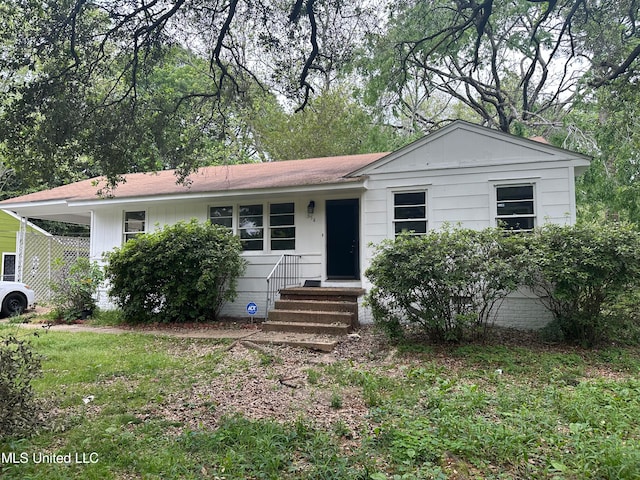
<point>327,212</point>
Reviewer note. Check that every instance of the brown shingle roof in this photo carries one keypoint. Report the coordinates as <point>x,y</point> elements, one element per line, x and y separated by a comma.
<point>540,139</point>
<point>291,173</point>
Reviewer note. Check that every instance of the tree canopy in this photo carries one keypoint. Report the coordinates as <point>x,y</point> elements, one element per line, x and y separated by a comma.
<point>515,64</point>
<point>95,87</point>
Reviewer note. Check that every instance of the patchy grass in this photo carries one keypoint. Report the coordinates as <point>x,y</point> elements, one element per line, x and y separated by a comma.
<point>140,406</point>
<point>107,318</point>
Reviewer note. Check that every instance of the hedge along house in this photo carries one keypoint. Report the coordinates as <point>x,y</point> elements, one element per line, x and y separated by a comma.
<point>322,215</point>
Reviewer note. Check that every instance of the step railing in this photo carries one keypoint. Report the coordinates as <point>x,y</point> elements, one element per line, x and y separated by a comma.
<point>285,273</point>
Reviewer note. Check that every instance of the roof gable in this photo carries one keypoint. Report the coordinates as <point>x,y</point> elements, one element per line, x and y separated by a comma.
<point>461,145</point>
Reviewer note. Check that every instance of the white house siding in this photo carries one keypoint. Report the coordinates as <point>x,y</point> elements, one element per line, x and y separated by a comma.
<point>107,228</point>
<point>252,286</point>
<point>463,193</point>
<point>464,198</point>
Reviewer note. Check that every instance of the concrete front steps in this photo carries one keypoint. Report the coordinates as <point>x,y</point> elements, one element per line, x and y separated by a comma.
<point>325,311</point>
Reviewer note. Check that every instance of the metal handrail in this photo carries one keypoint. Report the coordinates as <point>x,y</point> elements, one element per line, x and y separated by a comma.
<point>285,273</point>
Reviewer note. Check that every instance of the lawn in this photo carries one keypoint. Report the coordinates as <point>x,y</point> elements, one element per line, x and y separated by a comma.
<point>131,405</point>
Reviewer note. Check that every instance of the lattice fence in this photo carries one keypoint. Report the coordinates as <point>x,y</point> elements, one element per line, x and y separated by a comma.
<point>41,258</point>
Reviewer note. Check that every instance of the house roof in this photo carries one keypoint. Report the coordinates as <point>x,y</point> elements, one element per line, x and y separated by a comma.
<point>539,139</point>
<point>251,176</point>
<point>466,145</point>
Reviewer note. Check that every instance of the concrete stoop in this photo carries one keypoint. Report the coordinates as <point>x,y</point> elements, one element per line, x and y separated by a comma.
<point>314,311</point>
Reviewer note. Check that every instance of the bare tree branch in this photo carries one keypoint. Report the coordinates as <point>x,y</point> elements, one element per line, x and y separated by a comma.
<point>549,43</point>
<point>313,38</point>
<point>615,71</point>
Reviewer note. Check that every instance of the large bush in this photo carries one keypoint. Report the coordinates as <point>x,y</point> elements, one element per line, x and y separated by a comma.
<point>19,365</point>
<point>585,275</point>
<point>181,273</point>
<point>446,283</point>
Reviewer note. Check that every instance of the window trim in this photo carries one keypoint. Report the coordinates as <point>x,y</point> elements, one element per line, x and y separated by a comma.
<point>272,227</point>
<point>233,211</point>
<point>509,184</point>
<point>262,227</point>
<point>128,235</point>
<point>392,208</point>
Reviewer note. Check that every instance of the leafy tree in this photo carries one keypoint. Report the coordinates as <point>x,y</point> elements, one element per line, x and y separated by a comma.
<point>113,87</point>
<point>71,135</point>
<point>604,125</point>
<point>308,46</point>
<point>517,65</point>
<point>117,87</point>
<point>183,272</point>
<point>331,124</point>
<point>445,283</point>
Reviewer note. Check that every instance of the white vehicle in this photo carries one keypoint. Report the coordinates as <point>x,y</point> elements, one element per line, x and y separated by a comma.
<point>15,298</point>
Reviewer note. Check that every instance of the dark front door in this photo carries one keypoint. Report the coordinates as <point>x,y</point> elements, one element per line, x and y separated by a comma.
<point>343,233</point>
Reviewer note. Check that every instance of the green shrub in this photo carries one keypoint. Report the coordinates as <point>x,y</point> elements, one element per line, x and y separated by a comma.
<point>18,367</point>
<point>624,318</point>
<point>446,282</point>
<point>588,277</point>
<point>183,272</point>
<point>74,289</point>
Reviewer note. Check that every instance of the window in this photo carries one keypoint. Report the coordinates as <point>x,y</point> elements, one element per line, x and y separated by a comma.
<point>282,229</point>
<point>515,207</point>
<point>221,216</point>
<point>134,224</point>
<point>250,227</point>
<point>410,212</point>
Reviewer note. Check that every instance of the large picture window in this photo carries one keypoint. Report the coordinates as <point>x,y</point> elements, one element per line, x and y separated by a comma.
<point>253,223</point>
<point>251,227</point>
<point>282,226</point>
<point>515,207</point>
<point>410,212</point>
<point>134,224</point>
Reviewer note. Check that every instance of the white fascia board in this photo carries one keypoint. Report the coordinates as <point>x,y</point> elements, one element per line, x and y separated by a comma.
<point>36,209</point>
<point>329,188</point>
<point>449,167</point>
<point>58,210</point>
<point>43,203</point>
